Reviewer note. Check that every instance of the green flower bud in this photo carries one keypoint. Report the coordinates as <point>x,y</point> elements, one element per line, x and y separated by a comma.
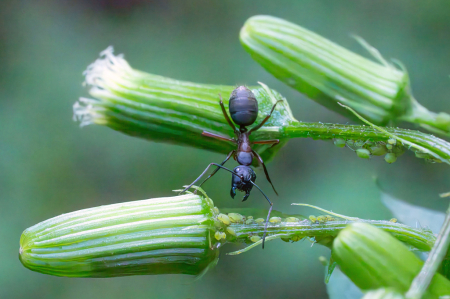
<point>171,235</point>
<point>363,153</point>
<point>373,259</point>
<point>167,110</point>
<point>328,73</point>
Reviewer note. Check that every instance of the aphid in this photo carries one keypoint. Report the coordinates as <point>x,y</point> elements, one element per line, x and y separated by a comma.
<point>363,153</point>
<point>243,109</point>
<point>312,218</point>
<point>390,158</point>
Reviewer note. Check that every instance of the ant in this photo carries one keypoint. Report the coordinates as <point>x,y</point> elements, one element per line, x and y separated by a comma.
<point>243,109</point>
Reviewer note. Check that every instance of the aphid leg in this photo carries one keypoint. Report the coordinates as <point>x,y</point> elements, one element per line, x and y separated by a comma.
<point>217,136</point>
<point>265,170</point>
<point>224,111</point>
<point>268,215</point>
<point>217,169</point>
<point>272,141</point>
<point>210,164</point>
<point>264,120</point>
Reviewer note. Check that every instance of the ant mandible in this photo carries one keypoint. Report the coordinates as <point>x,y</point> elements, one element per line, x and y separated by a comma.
<point>243,109</point>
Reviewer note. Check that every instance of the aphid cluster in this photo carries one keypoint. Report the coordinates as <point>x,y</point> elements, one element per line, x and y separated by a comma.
<point>367,148</point>
<point>243,109</point>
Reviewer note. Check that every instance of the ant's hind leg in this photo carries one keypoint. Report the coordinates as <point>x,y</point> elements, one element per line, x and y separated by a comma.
<point>265,119</point>
<point>272,141</point>
<point>224,111</point>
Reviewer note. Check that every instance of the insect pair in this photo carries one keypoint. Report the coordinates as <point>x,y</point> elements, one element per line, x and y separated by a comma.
<point>243,109</point>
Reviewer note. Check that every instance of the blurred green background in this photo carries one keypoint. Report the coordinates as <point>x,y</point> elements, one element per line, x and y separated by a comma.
<point>49,166</point>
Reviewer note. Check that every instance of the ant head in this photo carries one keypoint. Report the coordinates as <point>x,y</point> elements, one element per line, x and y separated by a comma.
<point>245,175</point>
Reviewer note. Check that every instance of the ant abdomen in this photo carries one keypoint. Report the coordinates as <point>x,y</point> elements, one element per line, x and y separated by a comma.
<point>243,106</point>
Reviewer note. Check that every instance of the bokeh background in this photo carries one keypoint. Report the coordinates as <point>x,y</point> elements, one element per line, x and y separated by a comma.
<point>49,166</point>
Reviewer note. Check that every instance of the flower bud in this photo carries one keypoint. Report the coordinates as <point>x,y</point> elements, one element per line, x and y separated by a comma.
<point>329,74</point>
<point>373,259</point>
<point>170,235</point>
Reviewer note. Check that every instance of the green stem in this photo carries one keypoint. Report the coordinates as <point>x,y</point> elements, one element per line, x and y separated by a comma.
<point>434,260</point>
<point>324,233</point>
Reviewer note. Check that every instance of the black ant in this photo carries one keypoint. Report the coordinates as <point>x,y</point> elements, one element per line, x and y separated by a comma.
<point>244,111</point>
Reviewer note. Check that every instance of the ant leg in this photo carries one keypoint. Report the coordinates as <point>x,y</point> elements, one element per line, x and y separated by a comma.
<point>264,120</point>
<point>217,169</point>
<point>265,170</point>
<point>272,141</point>
<point>210,164</point>
<point>268,215</point>
<point>217,136</point>
<point>224,111</point>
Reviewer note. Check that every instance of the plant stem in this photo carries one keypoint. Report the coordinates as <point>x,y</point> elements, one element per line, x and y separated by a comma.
<point>437,254</point>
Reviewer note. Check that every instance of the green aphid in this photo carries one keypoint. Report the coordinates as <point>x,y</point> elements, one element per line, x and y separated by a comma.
<point>292,219</point>
<point>378,150</point>
<point>285,239</point>
<point>360,143</point>
<point>393,220</point>
<point>433,160</point>
<point>421,155</point>
<point>330,218</point>
<point>392,141</point>
<point>259,220</point>
<point>363,153</point>
<point>389,146</point>
<point>224,219</point>
<point>398,150</point>
<point>275,220</point>
<point>339,142</point>
<point>390,158</point>
<point>350,143</point>
<point>220,235</point>
<point>216,210</point>
<point>296,238</point>
<point>323,260</point>
<point>255,239</point>
<point>249,221</point>
<point>312,218</point>
<point>236,218</point>
<point>249,217</point>
<point>231,231</point>
<point>322,219</point>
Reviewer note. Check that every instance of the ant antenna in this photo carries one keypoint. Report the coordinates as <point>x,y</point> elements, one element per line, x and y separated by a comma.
<point>268,215</point>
